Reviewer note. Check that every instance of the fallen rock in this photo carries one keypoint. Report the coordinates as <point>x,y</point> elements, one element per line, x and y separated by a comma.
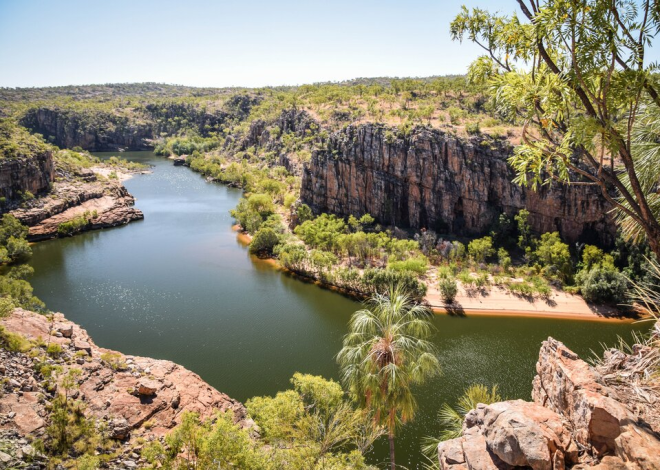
<point>119,429</point>
<point>521,433</point>
<point>147,387</point>
<point>64,329</point>
<point>80,345</point>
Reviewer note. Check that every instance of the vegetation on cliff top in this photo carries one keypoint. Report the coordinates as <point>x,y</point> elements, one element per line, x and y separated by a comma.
<point>17,142</point>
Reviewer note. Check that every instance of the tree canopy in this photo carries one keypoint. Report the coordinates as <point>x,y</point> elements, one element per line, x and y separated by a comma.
<point>576,73</point>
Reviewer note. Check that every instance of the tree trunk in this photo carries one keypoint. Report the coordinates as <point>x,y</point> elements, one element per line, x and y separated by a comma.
<point>390,437</point>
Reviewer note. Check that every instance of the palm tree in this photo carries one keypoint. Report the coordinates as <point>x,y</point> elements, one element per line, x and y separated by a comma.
<point>385,353</point>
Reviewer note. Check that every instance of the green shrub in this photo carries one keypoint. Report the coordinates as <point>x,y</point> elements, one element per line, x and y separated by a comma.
<point>473,128</point>
<point>54,350</point>
<point>114,360</point>
<point>448,290</point>
<point>603,285</point>
<point>6,306</point>
<point>18,249</point>
<point>504,259</point>
<point>554,256</point>
<point>380,280</point>
<point>264,241</point>
<point>480,249</point>
<point>12,341</point>
<point>417,265</point>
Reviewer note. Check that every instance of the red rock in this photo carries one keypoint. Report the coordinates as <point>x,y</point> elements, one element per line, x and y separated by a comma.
<point>148,388</point>
<point>107,394</point>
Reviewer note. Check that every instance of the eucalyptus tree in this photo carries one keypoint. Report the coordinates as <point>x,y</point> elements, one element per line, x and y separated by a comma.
<point>576,73</point>
<point>384,354</point>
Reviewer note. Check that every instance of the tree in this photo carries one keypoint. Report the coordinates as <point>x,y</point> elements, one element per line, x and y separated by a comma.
<point>264,241</point>
<point>480,249</point>
<point>576,73</point>
<point>448,290</point>
<point>386,352</point>
<point>18,249</point>
<point>554,255</point>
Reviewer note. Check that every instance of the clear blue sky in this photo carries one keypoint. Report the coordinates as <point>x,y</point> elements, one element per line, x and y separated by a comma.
<point>223,43</point>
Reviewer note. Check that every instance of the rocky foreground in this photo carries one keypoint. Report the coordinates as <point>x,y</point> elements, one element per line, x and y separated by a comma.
<point>138,399</point>
<point>582,417</point>
<point>86,203</point>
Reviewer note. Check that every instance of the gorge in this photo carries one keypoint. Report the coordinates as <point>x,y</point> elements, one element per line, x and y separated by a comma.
<point>194,296</point>
<point>177,285</point>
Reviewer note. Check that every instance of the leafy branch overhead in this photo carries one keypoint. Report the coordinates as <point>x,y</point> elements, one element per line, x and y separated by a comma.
<point>576,73</point>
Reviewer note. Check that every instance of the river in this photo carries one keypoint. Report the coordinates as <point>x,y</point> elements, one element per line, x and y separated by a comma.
<point>179,286</point>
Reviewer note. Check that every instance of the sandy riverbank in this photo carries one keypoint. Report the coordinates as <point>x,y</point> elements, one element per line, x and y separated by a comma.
<point>122,175</point>
<point>500,302</point>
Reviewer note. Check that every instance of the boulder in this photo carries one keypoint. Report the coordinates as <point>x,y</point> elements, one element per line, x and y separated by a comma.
<point>522,433</point>
<point>569,386</point>
<point>119,429</point>
<point>65,329</point>
<point>80,345</point>
<point>147,387</point>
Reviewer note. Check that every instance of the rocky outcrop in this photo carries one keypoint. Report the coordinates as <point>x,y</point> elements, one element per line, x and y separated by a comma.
<point>26,174</point>
<point>268,137</point>
<point>431,179</point>
<point>576,421</point>
<point>102,204</point>
<point>136,397</point>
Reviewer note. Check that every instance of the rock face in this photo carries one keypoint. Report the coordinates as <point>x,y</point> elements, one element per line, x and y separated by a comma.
<point>104,204</point>
<point>134,396</point>
<point>131,127</point>
<point>26,174</point>
<point>68,129</point>
<point>430,179</point>
<point>575,421</point>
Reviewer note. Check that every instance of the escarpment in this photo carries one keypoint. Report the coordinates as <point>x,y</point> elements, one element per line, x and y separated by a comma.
<point>582,417</point>
<point>68,129</point>
<point>26,174</point>
<point>131,128</point>
<point>430,179</point>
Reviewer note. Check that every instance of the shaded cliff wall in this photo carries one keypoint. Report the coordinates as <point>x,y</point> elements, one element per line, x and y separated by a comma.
<point>433,180</point>
<point>104,131</point>
<point>27,173</point>
<point>98,129</point>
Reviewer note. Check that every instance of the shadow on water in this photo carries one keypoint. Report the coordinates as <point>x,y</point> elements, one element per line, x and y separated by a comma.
<point>178,286</point>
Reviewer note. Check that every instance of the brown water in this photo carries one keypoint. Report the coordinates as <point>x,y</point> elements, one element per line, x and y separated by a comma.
<point>179,286</point>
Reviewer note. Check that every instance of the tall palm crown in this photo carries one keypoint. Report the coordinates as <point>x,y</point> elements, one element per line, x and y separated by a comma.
<point>386,352</point>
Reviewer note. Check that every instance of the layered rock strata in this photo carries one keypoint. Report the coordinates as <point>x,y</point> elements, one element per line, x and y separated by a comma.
<point>576,421</point>
<point>18,176</point>
<point>102,204</point>
<point>431,179</point>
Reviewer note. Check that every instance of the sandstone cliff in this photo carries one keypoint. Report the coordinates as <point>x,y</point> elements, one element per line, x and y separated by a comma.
<point>26,174</point>
<point>68,129</point>
<point>578,418</point>
<point>101,203</point>
<point>127,127</point>
<point>430,179</point>
<point>137,399</point>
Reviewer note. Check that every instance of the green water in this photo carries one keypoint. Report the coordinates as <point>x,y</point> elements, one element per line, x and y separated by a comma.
<point>179,286</point>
